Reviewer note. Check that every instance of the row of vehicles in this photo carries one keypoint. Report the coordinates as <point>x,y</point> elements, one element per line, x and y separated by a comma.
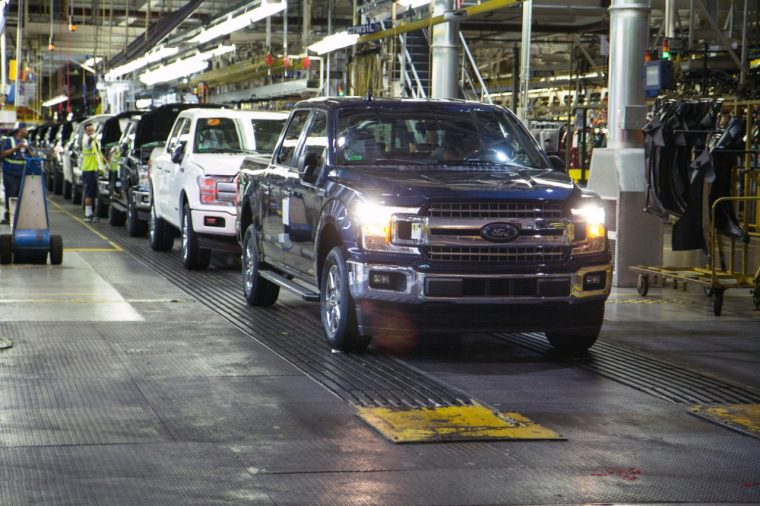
<point>397,216</point>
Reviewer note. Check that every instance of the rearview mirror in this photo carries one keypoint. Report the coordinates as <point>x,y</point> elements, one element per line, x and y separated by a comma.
<point>557,163</point>
<point>307,166</point>
<point>179,152</point>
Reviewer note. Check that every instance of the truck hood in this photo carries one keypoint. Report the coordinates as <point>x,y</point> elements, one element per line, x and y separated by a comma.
<point>218,164</point>
<point>457,183</point>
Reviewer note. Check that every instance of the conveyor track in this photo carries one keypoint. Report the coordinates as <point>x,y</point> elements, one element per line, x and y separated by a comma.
<point>378,379</point>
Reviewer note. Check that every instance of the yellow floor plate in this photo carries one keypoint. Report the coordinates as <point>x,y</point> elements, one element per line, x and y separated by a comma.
<point>452,423</point>
<point>742,417</point>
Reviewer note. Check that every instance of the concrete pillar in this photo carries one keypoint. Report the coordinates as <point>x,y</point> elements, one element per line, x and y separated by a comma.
<point>618,171</point>
<point>527,22</point>
<point>445,54</point>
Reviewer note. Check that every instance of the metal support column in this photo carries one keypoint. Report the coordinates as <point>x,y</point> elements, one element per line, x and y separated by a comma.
<point>527,20</point>
<point>445,49</point>
<point>670,19</point>
<point>515,77</point>
<point>16,94</point>
<point>618,172</point>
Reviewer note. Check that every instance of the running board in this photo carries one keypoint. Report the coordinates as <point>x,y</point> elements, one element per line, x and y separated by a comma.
<point>284,282</point>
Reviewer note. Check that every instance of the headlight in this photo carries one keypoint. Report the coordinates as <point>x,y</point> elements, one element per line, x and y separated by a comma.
<point>589,232</point>
<point>378,225</point>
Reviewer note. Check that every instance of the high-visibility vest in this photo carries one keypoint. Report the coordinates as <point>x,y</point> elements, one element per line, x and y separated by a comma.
<point>16,161</point>
<point>92,158</point>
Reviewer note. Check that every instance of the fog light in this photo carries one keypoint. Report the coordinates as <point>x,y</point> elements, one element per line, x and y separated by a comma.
<point>381,280</point>
<point>595,280</point>
<point>213,221</point>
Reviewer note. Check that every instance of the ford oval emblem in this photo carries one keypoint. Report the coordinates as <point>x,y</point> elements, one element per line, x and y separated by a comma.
<point>499,232</point>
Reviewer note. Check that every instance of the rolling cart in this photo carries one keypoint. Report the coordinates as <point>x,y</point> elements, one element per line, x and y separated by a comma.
<point>30,239</point>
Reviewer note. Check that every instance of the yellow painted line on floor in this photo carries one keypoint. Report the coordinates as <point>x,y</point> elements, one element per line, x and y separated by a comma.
<point>743,417</point>
<point>114,247</point>
<point>452,423</point>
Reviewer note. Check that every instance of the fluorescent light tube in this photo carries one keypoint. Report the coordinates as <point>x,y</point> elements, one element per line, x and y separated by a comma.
<point>413,4</point>
<point>55,101</point>
<point>235,23</point>
<point>91,62</point>
<point>141,62</point>
<point>173,71</point>
<point>332,42</point>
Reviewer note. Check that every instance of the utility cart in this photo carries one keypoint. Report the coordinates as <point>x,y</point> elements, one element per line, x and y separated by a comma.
<point>30,239</point>
<point>713,279</point>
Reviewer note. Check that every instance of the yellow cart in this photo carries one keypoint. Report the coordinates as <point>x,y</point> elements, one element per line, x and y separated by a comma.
<point>714,281</point>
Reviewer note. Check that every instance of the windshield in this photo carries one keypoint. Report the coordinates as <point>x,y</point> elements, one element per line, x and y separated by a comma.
<point>417,137</point>
<point>266,132</point>
<point>217,135</point>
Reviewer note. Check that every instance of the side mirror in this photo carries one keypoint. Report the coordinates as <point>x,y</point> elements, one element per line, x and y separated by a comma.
<point>179,152</point>
<point>557,163</point>
<point>307,166</point>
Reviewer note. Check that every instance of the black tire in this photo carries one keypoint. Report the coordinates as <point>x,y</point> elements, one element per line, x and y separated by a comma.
<point>67,190</point>
<point>337,308</point>
<point>161,236</point>
<point>76,195</point>
<point>756,293</point>
<point>718,302</point>
<point>575,340</point>
<point>135,226</point>
<point>56,250</point>
<point>116,218</point>
<point>642,285</point>
<point>256,290</point>
<point>57,183</point>
<point>6,249</point>
<point>101,207</point>
<point>194,257</point>
<point>49,181</point>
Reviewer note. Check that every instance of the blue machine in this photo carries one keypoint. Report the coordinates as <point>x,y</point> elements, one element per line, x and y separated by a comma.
<point>31,240</point>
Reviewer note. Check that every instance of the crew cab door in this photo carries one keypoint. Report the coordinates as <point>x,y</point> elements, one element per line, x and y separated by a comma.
<point>275,242</point>
<point>302,197</point>
<point>167,170</point>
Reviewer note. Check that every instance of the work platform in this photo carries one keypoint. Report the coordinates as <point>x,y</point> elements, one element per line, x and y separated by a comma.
<point>133,381</point>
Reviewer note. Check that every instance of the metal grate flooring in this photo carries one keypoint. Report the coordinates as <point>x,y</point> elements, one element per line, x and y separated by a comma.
<point>369,379</point>
<point>647,374</point>
<point>374,378</point>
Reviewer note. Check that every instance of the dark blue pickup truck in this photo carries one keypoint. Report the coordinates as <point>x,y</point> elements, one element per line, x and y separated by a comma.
<point>422,216</point>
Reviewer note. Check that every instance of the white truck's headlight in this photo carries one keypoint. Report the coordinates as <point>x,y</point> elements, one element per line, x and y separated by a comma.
<point>376,223</point>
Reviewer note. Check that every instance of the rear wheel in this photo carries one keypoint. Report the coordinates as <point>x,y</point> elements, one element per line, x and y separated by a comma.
<point>161,237</point>
<point>57,183</point>
<point>135,226</point>
<point>116,218</point>
<point>337,307</point>
<point>56,250</point>
<point>76,194</point>
<point>194,257</point>
<point>67,190</point>
<point>6,249</point>
<point>256,290</point>
<point>101,207</point>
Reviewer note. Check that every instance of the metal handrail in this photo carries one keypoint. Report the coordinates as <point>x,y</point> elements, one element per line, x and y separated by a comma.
<point>420,88</point>
<point>484,94</point>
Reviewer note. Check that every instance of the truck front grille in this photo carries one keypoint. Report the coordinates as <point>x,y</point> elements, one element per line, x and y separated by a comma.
<point>491,254</point>
<point>496,210</point>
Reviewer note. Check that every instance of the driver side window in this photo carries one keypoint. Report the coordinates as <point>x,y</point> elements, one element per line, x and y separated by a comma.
<point>286,154</point>
<point>174,136</point>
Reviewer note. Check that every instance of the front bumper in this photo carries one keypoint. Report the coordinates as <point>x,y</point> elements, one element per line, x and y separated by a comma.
<point>425,302</point>
<point>141,198</point>
<point>216,221</point>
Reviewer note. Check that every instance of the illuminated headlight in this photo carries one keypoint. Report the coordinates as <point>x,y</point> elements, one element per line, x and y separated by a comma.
<point>590,234</point>
<point>379,226</point>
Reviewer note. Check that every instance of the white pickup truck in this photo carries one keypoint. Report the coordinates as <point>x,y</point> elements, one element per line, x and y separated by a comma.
<point>192,178</point>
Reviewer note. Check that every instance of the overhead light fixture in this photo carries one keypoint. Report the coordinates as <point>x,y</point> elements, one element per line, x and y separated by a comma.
<point>235,23</point>
<point>141,62</point>
<point>333,42</point>
<point>184,67</point>
<point>91,62</point>
<point>413,4</point>
<point>55,101</point>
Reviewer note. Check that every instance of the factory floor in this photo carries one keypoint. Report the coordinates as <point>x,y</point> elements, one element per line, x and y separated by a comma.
<point>132,381</point>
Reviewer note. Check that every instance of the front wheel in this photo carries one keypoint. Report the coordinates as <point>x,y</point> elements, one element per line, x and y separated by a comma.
<point>337,307</point>
<point>101,207</point>
<point>76,194</point>
<point>135,226</point>
<point>256,290</point>
<point>576,339</point>
<point>161,237</point>
<point>57,183</point>
<point>194,257</point>
<point>116,218</point>
<point>67,190</point>
<point>56,250</point>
